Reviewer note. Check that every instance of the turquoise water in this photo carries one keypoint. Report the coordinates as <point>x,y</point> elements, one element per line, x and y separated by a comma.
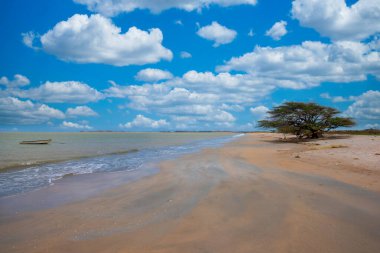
<point>83,153</point>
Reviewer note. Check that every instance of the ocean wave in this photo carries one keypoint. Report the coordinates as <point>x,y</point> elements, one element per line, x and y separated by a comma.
<point>27,179</point>
<point>28,164</point>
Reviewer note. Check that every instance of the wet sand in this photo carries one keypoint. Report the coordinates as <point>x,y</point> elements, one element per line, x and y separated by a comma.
<point>256,194</point>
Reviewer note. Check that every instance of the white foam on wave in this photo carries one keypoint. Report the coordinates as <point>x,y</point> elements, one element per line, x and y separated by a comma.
<point>13,182</point>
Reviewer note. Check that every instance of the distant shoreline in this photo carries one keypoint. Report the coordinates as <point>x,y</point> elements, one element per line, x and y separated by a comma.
<point>349,132</point>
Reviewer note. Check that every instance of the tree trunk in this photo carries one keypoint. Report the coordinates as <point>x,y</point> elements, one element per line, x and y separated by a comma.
<point>315,135</point>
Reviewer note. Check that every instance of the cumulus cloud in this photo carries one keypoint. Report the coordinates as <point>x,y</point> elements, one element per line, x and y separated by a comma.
<point>195,88</point>
<point>141,121</point>
<point>309,64</point>
<point>114,7</point>
<point>185,55</point>
<point>234,108</point>
<point>28,39</point>
<point>199,113</point>
<point>80,111</point>
<point>195,98</point>
<point>153,75</point>
<point>334,19</point>
<point>366,106</point>
<point>16,111</point>
<point>217,33</point>
<point>259,111</point>
<point>62,92</point>
<point>95,39</point>
<point>372,126</point>
<point>278,30</point>
<point>18,81</point>
<point>337,99</point>
<point>202,98</point>
<point>68,124</point>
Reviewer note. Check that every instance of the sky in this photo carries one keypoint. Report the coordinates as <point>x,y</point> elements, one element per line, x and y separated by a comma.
<point>144,65</point>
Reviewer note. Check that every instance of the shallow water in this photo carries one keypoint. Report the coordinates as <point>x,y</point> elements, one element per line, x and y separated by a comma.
<point>149,147</point>
<point>65,146</point>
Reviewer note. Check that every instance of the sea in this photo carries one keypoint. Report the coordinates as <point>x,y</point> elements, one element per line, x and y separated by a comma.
<point>26,168</point>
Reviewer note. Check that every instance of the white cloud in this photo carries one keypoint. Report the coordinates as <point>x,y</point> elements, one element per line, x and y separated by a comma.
<point>278,30</point>
<point>202,98</point>
<point>141,121</point>
<point>334,19</point>
<point>153,75</point>
<point>28,39</point>
<point>372,126</point>
<point>95,39</point>
<point>309,64</point>
<point>251,33</point>
<point>18,81</point>
<point>200,113</point>
<point>221,116</point>
<point>366,106</point>
<point>217,33</point>
<point>185,55</point>
<point>61,92</point>
<point>178,22</point>
<point>80,111</point>
<point>68,124</point>
<point>16,111</point>
<point>259,111</point>
<point>234,107</point>
<point>337,99</point>
<point>114,7</point>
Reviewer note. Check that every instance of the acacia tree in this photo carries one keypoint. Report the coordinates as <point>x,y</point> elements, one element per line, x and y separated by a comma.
<point>308,120</point>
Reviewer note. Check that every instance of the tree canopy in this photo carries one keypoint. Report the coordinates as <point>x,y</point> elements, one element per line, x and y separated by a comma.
<point>308,120</point>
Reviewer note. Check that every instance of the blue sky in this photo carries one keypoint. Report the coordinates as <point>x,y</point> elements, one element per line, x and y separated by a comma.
<point>183,65</point>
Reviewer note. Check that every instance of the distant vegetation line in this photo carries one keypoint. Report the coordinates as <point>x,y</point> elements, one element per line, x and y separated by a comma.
<point>358,132</point>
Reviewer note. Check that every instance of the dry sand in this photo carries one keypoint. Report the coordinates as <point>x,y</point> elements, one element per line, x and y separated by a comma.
<point>252,195</point>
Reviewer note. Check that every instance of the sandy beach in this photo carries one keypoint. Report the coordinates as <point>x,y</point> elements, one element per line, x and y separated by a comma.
<point>255,194</point>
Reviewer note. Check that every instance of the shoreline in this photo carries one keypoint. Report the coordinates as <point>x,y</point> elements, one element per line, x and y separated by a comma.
<point>71,189</point>
<point>250,195</point>
<point>15,167</point>
<point>67,146</point>
<point>37,176</point>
